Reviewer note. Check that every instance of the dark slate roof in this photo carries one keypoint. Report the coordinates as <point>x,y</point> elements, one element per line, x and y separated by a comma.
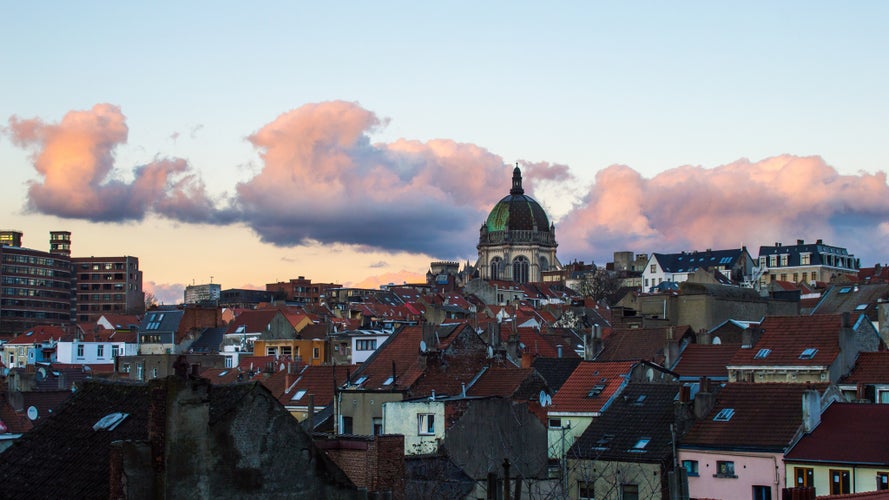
<point>865,425</point>
<point>686,262</point>
<point>210,340</point>
<point>634,344</point>
<point>63,457</point>
<point>556,370</point>
<point>168,320</point>
<point>793,252</point>
<point>753,424</point>
<point>855,299</point>
<point>613,435</point>
<point>434,476</point>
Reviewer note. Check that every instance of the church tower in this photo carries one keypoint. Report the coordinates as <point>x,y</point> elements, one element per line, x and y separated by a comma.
<point>517,242</point>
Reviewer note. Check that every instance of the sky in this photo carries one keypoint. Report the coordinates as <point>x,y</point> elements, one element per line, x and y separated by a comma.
<point>356,142</point>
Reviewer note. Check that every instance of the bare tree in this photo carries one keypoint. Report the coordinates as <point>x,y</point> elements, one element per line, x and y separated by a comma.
<point>150,300</point>
<point>600,285</point>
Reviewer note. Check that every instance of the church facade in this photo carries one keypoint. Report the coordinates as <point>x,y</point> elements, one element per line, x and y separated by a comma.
<point>517,241</point>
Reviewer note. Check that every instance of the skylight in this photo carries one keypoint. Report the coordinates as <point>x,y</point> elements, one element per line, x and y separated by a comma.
<point>640,400</point>
<point>299,395</point>
<point>808,353</point>
<point>861,307</point>
<point>110,421</point>
<point>641,444</point>
<point>388,381</point>
<point>222,373</point>
<point>762,354</point>
<point>596,390</point>
<point>846,289</point>
<point>724,415</point>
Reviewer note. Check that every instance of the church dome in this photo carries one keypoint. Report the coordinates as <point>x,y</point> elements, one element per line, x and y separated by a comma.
<point>517,211</point>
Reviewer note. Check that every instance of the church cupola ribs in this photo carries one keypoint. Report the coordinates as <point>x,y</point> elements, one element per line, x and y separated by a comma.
<point>517,181</point>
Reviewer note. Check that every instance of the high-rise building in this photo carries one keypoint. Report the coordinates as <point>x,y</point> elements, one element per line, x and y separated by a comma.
<point>107,285</point>
<point>208,293</point>
<point>35,286</point>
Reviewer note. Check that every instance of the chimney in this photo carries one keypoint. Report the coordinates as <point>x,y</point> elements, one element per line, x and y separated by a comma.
<point>671,353</point>
<point>800,242</point>
<point>811,410</point>
<point>704,337</point>
<point>310,414</point>
<point>704,399</point>
<point>512,346</point>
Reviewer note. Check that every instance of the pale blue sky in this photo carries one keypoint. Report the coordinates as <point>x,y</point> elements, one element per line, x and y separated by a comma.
<point>652,85</point>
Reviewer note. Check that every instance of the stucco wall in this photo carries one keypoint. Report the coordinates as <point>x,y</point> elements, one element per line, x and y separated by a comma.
<point>401,418</point>
<point>764,469</point>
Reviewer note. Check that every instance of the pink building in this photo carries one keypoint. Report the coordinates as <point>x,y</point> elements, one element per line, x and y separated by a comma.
<point>736,451</point>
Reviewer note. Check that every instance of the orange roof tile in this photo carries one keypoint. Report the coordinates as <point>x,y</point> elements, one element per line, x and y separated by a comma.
<point>786,337</point>
<point>591,386</point>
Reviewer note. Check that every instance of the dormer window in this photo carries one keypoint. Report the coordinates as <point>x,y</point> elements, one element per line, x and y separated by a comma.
<point>724,415</point>
<point>808,353</point>
<point>762,354</point>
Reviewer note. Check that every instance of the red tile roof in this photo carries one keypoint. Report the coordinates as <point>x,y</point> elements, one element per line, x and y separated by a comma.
<point>700,360</point>
<point>754,423</point>
<point>647,344</point>
<point>843,424</point>
<point>40,333</point>
<point>254,321</point>
<point>503,382</point>
<point>314,380</point>
<point>870,368</point>
<point>605,377</point>
<point>787,337</point>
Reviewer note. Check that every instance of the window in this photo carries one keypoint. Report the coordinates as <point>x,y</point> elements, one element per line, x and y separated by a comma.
<point>271,351</point>
<point>378,426</point>
<point>762,492</point>
<point>808,353</point>
<point>839,482</point>
<point>316,353</point>
<point>654,268</point>
<point>426,424</point>
<point>585,491</point>
<point>773,260</point>
<point>596,390</point>
<point>346,425</point>
<point>100,351</point>
<point>805,259</point>
<point>725,468</point>
<point>629,492</point>
<point>286,351</point>
<point>79,350</point>
<point>555,423</point>
<point>784,260</point>
<point>724,415</point>
<point>115,351</point>
<point>883,480</point>
<point>365,344</point>
<point>691,467</point>
<point>520,267</point>
<point>762,354</point>
<point>640,445</point>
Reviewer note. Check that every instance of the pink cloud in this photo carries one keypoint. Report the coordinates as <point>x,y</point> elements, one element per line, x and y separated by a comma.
<point>165,293</point>
<point>75,161</point>
<point>397,278</point>
<point>777,199</point>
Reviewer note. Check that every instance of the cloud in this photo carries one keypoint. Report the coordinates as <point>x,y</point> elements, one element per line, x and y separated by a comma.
<point>322,180</point>
<point>165,293</point>
<point>377,265</point>
<point>78,180</point>
<point>782,198</point>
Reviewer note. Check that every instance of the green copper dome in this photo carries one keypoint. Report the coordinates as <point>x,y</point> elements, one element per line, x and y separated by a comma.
<point>517,211</point>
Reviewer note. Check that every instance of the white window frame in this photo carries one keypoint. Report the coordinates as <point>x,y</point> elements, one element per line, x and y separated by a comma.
<point>426,424</point>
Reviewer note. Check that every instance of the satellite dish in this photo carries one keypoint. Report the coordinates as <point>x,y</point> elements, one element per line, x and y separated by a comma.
<point>549,400</point>
<point>423,347</point>
<point>281,367</point>
<point>542,398</point>
<point>490,352</point>
<point>41,374</point>
<point>32,413</point>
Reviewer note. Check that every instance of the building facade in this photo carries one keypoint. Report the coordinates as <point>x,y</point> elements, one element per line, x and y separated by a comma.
<point>805,262</point>
<point>517,242</point>
<point>107,285</point>
<point>36,286</point>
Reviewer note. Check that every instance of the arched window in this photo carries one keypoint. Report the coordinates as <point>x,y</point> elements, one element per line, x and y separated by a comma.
<point>544,264</point>
<point>520,267</point>
<point>496,266</point>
